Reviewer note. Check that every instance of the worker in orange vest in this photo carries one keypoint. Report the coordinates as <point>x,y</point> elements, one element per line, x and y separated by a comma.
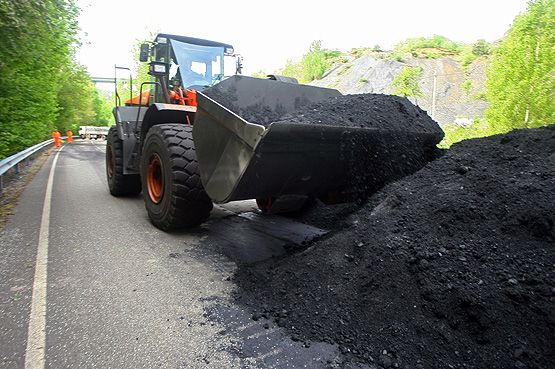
<point>69,136</point>
<point>56,136</point>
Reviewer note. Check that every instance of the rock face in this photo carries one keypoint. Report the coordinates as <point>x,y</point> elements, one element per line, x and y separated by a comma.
<point>451,267</point>
<point>454,103</point>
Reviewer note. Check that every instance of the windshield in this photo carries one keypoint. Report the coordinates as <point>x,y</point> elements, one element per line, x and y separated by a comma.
<point>196,65</point>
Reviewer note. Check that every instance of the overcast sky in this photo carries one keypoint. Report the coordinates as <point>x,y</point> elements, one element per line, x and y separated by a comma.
<point>267,33</point>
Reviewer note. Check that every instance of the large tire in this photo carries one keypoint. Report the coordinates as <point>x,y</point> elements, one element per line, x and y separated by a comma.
<point>173,193</point>
<point>118,183</point>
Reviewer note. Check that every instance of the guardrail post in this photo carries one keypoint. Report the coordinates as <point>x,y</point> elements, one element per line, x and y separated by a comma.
<point>1,184</point>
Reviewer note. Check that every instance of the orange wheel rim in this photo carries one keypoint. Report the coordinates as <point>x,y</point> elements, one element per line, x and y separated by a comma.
<point>155,179</point>
<point>110,162</point>
<point>264,204</point>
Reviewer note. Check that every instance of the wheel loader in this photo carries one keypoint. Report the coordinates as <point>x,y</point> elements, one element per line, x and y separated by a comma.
<point>189,139</point>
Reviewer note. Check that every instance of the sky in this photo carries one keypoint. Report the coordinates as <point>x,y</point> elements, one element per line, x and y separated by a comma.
<point>267,33</point>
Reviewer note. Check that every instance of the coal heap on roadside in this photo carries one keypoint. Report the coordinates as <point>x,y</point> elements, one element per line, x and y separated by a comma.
<point>451,267</point>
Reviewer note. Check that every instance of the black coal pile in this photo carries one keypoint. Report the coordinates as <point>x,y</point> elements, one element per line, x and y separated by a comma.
<point>451,267</point>
<point>366,111</point>
<point>358,111</point>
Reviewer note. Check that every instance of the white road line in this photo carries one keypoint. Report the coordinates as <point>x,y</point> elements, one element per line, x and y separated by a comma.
<point>96,147</point>
<point>36,336</point>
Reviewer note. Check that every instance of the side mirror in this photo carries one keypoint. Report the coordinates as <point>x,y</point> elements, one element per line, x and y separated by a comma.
<point>239,68</point>
<point>145,50</point>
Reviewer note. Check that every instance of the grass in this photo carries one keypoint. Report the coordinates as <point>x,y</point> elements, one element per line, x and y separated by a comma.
<point>363,80</point>
<point>344,69</point>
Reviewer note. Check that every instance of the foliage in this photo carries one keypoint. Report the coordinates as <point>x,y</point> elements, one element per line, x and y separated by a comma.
<point>313,64</point>
<point>407,82</point>
<point>138,73</point>
<point>102,104</point>
<point>292,69</point>
<point>36,45</point>
<point>440,46</point>
<point>42,87</point>
<point>75,99</point>
<point>481,95</point>
<point>481,47</point>
<point>521,80</point>
<point>363,80</point>
<point>466,57</point>
<point>467,86</point>
<point>429,47</point>
<point>469,53</point>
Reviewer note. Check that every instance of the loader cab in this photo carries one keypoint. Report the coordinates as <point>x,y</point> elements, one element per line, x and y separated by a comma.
<point>191,63</point>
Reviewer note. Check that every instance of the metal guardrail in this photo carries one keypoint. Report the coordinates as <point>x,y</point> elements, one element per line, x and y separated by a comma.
<point>13,161</point>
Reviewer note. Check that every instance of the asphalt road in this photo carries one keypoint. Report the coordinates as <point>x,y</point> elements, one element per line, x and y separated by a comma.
<point>122,294</point>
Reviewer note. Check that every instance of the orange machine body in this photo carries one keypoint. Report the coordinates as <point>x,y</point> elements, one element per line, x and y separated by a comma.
<point>177,96</point>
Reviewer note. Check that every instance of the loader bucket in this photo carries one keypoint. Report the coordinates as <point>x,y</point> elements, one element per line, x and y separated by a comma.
<point>278,156</point>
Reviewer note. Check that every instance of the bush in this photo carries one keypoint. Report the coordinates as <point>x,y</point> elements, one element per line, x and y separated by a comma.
<point>481,47</point>
<point>482,95</point>
<point>467,86</point>
<point>407,82</point>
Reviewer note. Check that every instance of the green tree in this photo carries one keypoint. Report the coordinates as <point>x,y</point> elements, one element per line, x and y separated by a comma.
<point>139,72</point>
<point>481,47</point>
<point>521,80</point>
<point>75,99</point>
<point>37,44</point>
<point>102,104</point>
<point>407,82</point>
<point>313,64</point>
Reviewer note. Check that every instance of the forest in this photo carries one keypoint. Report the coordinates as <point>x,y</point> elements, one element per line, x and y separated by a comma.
<point>43,87</point>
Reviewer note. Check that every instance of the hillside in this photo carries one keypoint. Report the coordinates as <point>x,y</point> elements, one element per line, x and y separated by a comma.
<point>458,89</point>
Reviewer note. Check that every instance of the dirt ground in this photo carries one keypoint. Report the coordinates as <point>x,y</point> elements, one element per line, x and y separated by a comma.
<point>451,267</point>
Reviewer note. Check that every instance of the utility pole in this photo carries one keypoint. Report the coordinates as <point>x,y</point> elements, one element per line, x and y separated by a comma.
<point>434,94</point>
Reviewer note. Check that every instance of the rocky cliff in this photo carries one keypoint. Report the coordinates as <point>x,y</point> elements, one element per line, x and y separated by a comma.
<point>459,90</point>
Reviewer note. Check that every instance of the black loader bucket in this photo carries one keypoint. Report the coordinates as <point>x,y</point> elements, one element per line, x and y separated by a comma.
<point>258,138</point>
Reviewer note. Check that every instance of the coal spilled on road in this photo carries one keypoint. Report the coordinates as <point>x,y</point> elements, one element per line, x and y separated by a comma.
<point>451,267</point>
